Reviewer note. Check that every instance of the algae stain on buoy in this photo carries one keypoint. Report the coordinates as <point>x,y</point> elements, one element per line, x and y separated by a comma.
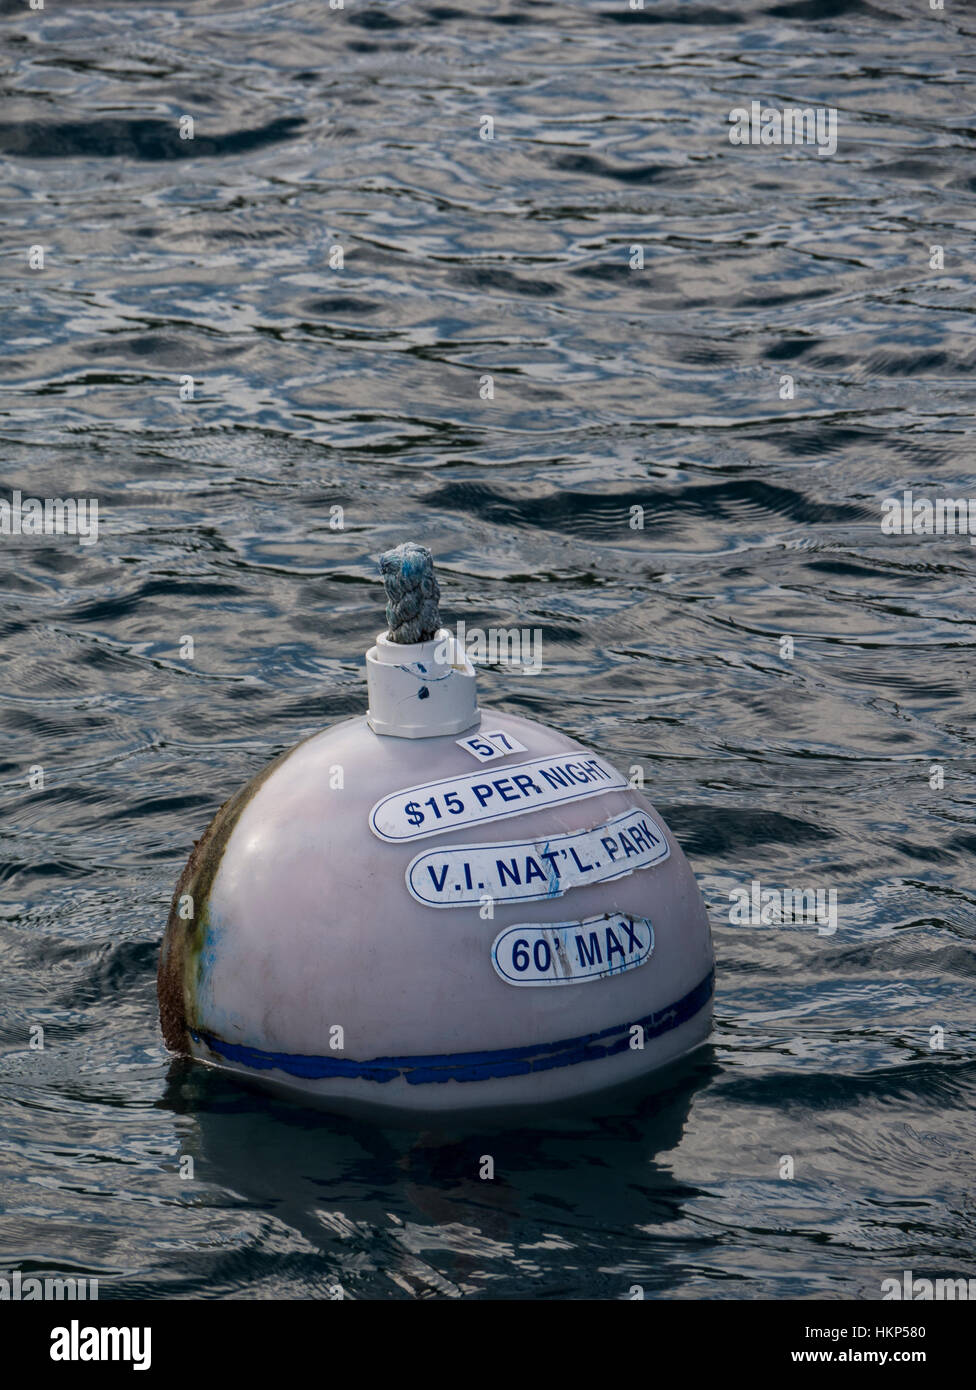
<point>478,912</point>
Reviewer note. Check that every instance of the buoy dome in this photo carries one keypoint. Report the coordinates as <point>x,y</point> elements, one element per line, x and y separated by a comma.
<point>453,921</point>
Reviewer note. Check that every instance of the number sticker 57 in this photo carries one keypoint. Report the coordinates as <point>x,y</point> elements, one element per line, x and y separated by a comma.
<point>487,746</point>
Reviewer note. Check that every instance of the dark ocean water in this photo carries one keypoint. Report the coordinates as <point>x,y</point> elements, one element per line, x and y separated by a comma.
<point>359,387</point>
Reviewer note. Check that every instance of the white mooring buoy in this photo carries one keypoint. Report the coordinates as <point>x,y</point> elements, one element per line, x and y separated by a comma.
<point>435,906</point>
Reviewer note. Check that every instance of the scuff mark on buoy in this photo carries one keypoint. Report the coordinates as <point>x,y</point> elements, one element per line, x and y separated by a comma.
<point>181,963</point>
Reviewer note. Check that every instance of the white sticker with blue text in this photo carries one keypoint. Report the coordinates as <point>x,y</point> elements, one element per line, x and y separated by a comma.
<point>434,808</point>
<point>569,953</point>
<point>496,744</point>
<point>526,870</point>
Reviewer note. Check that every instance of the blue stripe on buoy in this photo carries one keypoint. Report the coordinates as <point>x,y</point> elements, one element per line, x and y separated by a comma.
<point>470,1066</point>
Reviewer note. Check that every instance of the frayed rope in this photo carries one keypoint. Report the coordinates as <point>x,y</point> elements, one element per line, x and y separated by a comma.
<point>412,593</point>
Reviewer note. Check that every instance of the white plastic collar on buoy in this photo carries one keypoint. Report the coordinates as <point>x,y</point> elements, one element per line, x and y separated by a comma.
<point>420,689</point>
